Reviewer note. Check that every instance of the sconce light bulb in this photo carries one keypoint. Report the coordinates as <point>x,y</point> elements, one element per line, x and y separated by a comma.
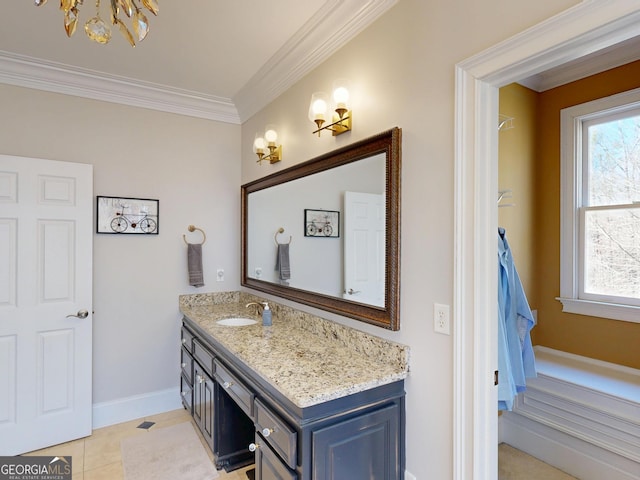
<point>319,108</point>
<point>270,135</point>
<point>341,97</point>
<point>259,144</point>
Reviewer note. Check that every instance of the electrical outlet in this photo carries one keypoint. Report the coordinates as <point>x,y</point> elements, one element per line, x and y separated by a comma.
<point>220,275</point>
<point>441,319</point>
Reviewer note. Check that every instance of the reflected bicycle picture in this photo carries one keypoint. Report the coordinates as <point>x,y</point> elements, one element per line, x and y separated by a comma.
<point>127,215</point>
<point>321,223</point>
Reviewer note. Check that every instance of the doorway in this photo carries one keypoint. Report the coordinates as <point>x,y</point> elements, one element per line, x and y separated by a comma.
<point>584,29</point>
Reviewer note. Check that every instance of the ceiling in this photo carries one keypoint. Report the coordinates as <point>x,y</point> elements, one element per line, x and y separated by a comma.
<point>208,58</point>
<point>589,64</point>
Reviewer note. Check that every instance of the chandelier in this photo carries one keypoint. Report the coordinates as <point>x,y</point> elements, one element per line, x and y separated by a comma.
<point>98,30</point>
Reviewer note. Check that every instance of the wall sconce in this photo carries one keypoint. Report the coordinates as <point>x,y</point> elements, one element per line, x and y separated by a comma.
<point>265,142</point>
<point>320,104</point>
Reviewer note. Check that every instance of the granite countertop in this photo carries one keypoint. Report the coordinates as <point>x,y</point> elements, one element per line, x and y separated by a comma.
<point>308,359</point>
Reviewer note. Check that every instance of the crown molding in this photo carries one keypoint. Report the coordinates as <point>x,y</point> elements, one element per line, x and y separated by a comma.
<point>335,23</point>
<point>23,71</point>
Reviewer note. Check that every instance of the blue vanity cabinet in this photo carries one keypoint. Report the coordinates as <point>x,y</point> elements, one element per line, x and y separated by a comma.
<point>186,370</point>
<point>356,437</point>
<point>203,390</point>
<point>203,405</point>
<point>360,448</point>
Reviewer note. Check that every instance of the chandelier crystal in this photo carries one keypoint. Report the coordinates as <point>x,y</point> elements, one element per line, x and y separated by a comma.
<point>98,30</point>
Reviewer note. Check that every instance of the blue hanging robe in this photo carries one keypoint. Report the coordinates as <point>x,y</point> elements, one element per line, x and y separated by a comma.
<point>516,361</point>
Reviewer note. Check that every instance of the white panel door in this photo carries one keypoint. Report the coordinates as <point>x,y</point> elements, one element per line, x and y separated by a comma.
<point>364,247</point>
<point>45,285</point>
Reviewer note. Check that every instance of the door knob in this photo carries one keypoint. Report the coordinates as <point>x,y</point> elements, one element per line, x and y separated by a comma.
<point>80,314</point>
<point>352,291</point>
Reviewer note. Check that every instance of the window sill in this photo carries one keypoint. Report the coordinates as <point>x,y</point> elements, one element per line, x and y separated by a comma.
<point>613,311</point>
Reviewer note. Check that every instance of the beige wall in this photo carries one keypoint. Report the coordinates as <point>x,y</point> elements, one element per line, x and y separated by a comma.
<point>609,340</point>
<point>402,71</point>
<point>192,167</point>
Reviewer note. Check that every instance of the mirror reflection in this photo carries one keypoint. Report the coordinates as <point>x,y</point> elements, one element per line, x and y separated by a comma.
<point>333,229</point>
<point>325,232</point>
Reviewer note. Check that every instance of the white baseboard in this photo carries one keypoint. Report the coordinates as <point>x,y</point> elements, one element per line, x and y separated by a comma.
<point>580,416</point>
<point>568,453</point>
<point>137,406</point>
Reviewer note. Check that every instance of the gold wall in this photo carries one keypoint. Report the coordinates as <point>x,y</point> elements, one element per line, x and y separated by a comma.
<point>516,172</point>
<point>599,338</point>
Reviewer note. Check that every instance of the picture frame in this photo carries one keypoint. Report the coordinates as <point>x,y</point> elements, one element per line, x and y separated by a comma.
<point>124,215</point>
<point>321,223</point>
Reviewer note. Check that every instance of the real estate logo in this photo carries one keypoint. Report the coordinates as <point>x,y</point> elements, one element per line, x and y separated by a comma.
<point>35,468</point>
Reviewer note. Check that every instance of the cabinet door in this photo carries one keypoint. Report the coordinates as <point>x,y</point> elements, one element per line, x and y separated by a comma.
<point>362,448</point>
<point>203,402</point>
<point>186,392</point>
<point>268,464</point>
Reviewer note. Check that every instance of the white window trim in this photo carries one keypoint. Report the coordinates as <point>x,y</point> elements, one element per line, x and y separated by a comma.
<point>571,149</point>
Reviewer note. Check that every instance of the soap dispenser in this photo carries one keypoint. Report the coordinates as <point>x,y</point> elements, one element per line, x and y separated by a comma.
<point>266,315</point>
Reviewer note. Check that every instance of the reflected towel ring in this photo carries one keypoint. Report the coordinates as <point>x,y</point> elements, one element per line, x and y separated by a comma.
<point>275,237</point>
<point>193,228</point>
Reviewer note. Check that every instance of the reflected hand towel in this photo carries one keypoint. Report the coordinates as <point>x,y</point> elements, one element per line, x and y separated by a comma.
<point>194,264</point>
<point>283,266</point>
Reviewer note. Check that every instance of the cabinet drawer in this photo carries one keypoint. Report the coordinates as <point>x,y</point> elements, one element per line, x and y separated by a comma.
<point>203,356</point>
<point>235,388</point>
<point>277,433</point>
<point>186,392</point>
<point>268,465</point>
<point>186,364</point>
<point>187,339</point>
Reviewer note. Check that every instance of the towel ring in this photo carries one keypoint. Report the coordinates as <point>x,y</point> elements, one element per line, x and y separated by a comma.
<point>275,237</point>
<point>193,228</point>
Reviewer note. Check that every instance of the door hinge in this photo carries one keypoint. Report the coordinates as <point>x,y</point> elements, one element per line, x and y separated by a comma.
<point>495,378</point>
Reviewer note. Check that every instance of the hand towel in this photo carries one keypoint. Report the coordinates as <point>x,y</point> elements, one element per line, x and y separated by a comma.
<point>283,266</point>
<point>194,264</point>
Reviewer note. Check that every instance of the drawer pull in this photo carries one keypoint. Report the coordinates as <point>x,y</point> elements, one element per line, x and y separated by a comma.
<point>253,447</point>
<point>227,385</point>
<point>184,340</point>
<point>182,365</point>
<point>199,378</point>
<point>267,431</point>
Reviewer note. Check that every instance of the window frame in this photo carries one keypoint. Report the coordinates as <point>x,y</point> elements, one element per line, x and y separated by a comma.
<point>572,176</point>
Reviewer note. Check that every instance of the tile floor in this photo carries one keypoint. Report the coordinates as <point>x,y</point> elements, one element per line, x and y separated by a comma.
<point>97,457</point>
<point>514,464</point>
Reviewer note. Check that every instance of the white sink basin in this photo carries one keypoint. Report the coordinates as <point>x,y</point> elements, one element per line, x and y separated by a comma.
<point>236,322</point>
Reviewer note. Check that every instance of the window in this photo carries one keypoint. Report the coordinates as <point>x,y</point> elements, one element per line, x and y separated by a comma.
<point>600,208</point>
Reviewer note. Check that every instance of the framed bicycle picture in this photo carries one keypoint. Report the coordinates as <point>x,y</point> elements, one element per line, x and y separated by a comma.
<point>321,223</point>
<point>127,215</point>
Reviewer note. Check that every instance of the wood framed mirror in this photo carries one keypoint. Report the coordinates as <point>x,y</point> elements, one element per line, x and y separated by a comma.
<point>337,217</point>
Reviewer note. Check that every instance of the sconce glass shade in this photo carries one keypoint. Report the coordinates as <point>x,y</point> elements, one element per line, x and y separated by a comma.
<point>318,107</point>
<point>271,134</point>
<point>259,144</point>
<point>341,95</point>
